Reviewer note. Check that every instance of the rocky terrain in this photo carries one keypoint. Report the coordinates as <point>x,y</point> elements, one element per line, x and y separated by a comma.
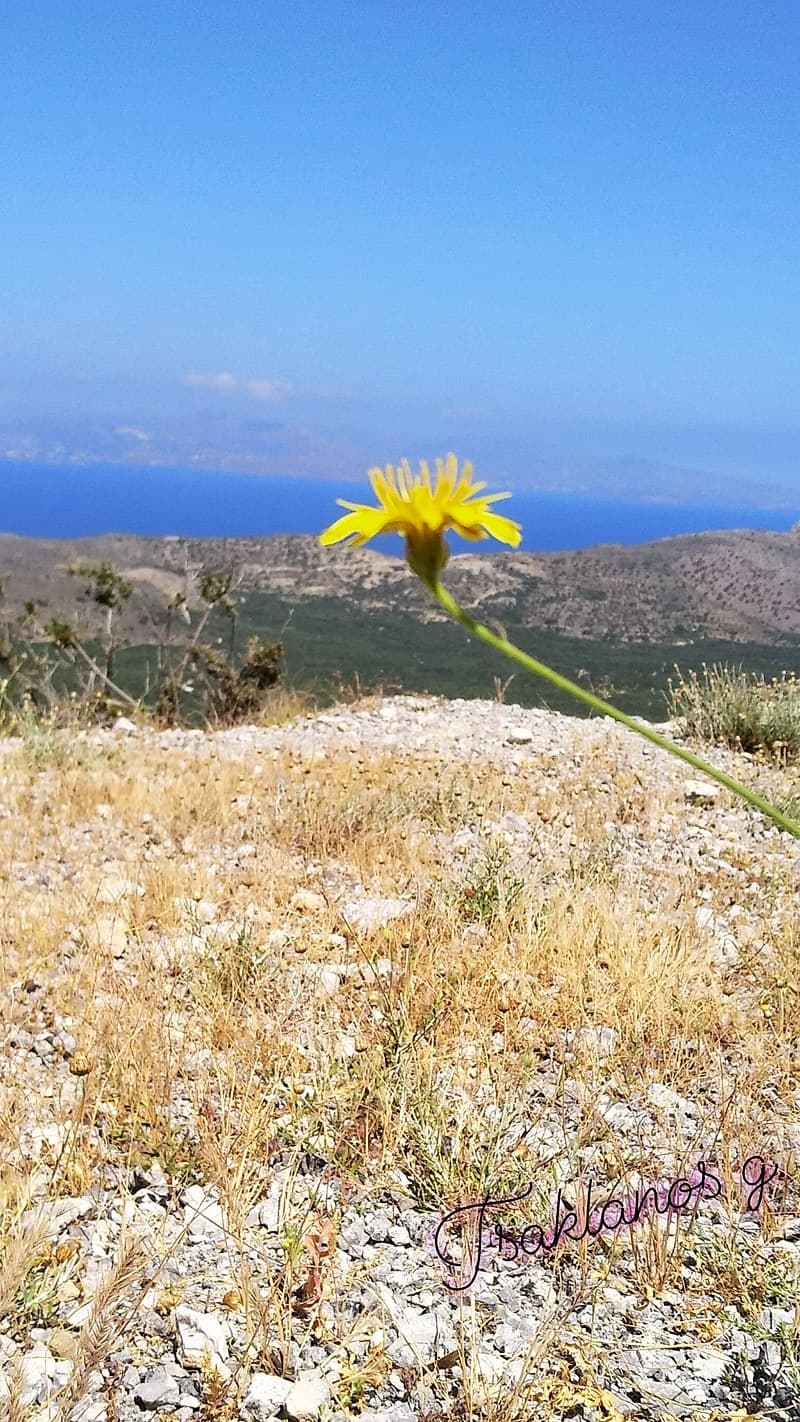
<point>739,586</point>
<point>276,999</point>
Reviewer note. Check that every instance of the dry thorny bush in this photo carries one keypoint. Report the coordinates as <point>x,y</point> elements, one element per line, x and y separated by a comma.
<point>150,909</point>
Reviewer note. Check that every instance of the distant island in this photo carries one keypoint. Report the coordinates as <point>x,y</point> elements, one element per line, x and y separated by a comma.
<point>291,448</point>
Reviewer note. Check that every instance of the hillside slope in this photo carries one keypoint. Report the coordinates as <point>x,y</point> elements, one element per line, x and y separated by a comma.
<point>741,585</point>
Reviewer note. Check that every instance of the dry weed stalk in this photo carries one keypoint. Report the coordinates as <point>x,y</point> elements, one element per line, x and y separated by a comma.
<point>23,1244</point>
<point>104,1326</point>
<point>12,1409</point>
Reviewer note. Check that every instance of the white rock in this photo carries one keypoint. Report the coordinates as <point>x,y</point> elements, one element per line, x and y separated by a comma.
<point>727,950</point>
<point>602,1040</point>
<point>709,1364</point>
<point>665,1099</point>
<point>701,792</point>
<point>306,1398</point>
<point>308,901</point>
<point>113,888</point>
<point>42,1374</point>
<point>491,1367</point>
<point>704,917</point>
<point>159,1389</point>
<point>277,939</point>
<point>265,1397</point>
<point>60,1214</point>
<point>92,1409</point>
<point>124,726</point>
<point>419,1329</point>
<point>202,1339</point>
<point>266,1214</point>
<point>367,914</point>
<point>203,1213</point>
<point>326,982</point>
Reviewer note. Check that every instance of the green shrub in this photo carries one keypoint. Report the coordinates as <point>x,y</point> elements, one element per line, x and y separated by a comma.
<point>739,709</point>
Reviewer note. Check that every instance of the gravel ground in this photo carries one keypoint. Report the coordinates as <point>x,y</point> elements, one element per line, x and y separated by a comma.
<point>384,1273</point>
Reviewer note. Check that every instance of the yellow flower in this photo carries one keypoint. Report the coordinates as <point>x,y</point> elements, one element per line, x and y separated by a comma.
<point>411,504</point>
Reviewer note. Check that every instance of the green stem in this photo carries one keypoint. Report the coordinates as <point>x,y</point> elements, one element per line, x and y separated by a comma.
<point>508,649</point>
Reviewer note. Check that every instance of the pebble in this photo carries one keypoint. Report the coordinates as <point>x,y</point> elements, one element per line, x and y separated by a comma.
<point>203,1213</point>
<point>368,914</point>
<point>600,1040</point>
<point>202,1339</point>
<point>264,1397</point>
<point>701,792</point>
<point>308,901</point>
<point>159,1389</point>
<point>306,1398</point>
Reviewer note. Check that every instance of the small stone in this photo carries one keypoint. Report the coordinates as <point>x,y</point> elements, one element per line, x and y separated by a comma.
<point>113,888</point>
<point>701,792</point>
<point>266,1214</point>
<point>378,1227</point>
<point>124,726</point>
<point>306,1398</point>
<point>353,1235</point>
<point>150,1177</point>
<point>601,1040</point>
<point>326,982</point>
<point>62,1343</point>
<point>490,1369</point>
<point>709,1364</point>
<point>159,1389</point>
<point>519,737</point>
<point>111,932</point>
<point>204,1214</point>
<point>770,1318</point>
<point>265,1397</point>
<point>704,917</point>
<point>665,1099</point>
<point>769,1358</point>
<point>277,939</point>
<point>202,1340</point>
<point>38,1371</point>
<point>308,901</point>
<point>365,915</point>
<point>92,1409</point>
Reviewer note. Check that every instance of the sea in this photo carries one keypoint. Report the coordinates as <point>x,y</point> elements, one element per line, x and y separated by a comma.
<point>77,501</point>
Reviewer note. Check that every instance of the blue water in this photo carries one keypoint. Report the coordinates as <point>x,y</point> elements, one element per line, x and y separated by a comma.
<point>51,501</point>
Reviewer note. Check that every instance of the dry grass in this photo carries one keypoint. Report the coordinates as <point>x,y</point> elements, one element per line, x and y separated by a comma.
<point>149,909</point>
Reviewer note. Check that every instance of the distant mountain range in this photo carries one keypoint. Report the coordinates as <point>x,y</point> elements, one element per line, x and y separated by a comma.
<point>740,586</point>
<point>286,448</point>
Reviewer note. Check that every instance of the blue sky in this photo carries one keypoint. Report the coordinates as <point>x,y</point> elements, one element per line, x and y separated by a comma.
<point>575,221</point>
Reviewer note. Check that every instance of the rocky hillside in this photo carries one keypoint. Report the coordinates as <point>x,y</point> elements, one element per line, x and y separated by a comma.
<point>740,585</point>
